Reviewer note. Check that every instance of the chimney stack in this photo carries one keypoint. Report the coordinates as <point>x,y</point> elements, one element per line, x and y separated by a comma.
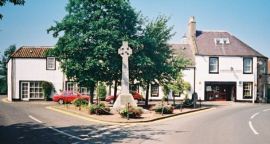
<point>192,34</point>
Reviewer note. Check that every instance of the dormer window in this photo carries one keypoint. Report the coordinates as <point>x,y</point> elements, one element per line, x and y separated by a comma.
<point>50,63</point>
<point>221,41</point>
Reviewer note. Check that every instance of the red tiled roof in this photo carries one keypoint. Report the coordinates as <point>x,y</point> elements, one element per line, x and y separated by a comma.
<point>31,52</point>
<point>207,46</point>
<point>183,50</point>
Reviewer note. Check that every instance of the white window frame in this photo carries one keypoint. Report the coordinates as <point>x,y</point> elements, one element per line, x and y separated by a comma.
<point>32,90</point>
<point>37,92</point>
<point>214,65</point>
<point>50,63</point>
<point>247,90</point>
<point>247,67</point>
<point>84,91</point>
<point>154,90</point>
<point>71,86</point>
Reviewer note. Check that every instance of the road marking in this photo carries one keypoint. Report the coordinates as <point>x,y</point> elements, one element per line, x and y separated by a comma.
<point>64,133</point>
<point>254,115</point>
<point>266,110</point>
<point>82,117</point>
<point>252,128</point>
<point>35,119</point>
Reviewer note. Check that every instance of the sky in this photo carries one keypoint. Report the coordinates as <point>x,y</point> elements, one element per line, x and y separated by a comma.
<point>246,19</point>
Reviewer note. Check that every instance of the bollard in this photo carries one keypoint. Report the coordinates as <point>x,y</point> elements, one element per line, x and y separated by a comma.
<point>128,111</point>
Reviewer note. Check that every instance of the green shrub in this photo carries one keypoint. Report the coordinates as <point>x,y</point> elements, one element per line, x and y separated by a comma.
<point>99,109</point>
<point>134,112</point>
<point>79,102</point>
<point>166,109</point>
<point>101,89</point>
<point>48,88</point>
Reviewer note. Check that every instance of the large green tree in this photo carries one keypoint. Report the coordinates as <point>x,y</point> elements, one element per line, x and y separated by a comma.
<point>15,2</point>
<point>89,37</point>
<point>3,68</point>
<point>151,62</point>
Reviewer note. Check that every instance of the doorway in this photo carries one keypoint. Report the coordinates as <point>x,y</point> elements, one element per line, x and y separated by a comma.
<point>25,91</point>
<point>220,91</point>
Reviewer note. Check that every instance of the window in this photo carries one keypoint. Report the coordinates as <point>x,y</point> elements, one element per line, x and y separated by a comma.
<point>247,65</point>
<point>222,41</point>
<point>50,65</point>
<point>176,94</point>
<point>247,90</point>
<point>213,65</point>
<point>154,90</point>
<point>84,91</point>
<point>71,86</point>
<point>262,66</point>
<point>31,90</point>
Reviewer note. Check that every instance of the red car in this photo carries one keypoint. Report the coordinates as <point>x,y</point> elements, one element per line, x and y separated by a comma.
<point>135,95</point>
<point>68,97</point>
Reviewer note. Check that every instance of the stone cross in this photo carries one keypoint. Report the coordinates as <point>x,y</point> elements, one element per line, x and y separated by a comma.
<point>125,97</point>
<point>125,51</point>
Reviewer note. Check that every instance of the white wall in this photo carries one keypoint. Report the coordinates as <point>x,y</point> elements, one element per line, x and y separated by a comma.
<point>30,69</point>
<point>9,80</point>
<point>230,70</point>
<point>188,76</point>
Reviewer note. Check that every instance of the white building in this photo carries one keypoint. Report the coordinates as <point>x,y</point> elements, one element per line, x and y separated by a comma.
<point>27,67</point>
<point>226,67</point>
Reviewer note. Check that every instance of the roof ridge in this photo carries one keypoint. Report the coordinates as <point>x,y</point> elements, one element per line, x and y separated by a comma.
<point>36,46</point>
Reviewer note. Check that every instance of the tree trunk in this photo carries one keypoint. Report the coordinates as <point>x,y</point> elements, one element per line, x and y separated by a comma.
<point>115,91</point>
<point>92,89</point>
<point>110,89</point>
<point>147,95</point>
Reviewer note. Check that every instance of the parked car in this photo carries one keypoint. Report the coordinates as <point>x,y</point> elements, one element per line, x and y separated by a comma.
<point>135,95</point>
<point>68,97</point>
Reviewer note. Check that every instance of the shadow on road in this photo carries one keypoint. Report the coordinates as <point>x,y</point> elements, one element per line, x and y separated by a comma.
<point>27,133</point>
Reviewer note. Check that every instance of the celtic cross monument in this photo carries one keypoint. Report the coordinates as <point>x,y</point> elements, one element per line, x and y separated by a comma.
<point>125,97</point>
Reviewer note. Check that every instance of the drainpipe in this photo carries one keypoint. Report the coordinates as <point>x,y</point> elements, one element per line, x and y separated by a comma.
<point>255,89</point>
<point>194,79</point>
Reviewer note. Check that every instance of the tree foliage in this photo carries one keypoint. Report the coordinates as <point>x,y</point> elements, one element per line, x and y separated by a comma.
<point>89,37</point>
<point>15,2</point>
<point>153,62</point>
<point>91,33</point>
<point>3,68</point>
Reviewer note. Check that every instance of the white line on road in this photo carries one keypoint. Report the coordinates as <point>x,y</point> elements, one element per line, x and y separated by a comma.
<point>64,133</point>
<point>35,119</point>
<point>252,128</point>
<point>254,115</point>
<point>266,110</point>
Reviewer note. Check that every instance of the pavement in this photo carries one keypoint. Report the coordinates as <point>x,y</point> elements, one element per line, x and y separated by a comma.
<point>227,123</point>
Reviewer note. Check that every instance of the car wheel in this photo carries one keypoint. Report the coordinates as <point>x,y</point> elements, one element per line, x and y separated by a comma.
<point>61,101</point>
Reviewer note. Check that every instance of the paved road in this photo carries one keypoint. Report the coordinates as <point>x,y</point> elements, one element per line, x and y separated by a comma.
<point>230,124</point>
<point>235,123</point>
